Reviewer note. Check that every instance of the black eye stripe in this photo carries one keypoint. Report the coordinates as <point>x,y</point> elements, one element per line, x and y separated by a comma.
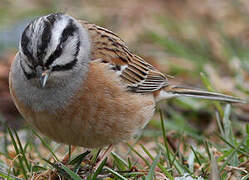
<point>65,67</point>
<point>57,53</point>
<point>71,64</point>
<point>26,74</point>
<point>30,66</point>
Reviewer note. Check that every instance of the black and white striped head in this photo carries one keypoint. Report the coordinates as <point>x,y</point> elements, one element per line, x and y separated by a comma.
<point>53,45</point>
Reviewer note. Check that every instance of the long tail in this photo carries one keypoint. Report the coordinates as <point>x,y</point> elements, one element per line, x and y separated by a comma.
<point>176,91</point>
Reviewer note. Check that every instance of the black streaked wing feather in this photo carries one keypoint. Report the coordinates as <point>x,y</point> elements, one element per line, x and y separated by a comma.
<point>140,76</point>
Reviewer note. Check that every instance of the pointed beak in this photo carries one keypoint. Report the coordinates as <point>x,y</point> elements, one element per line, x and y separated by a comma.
<point>44,77</point>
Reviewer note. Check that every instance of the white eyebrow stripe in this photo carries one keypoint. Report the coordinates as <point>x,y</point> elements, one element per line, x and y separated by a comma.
<point>68,52</point>
<point>57,30</point>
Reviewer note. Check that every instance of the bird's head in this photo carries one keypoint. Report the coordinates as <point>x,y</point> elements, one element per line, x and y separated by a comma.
<point>53,47</point>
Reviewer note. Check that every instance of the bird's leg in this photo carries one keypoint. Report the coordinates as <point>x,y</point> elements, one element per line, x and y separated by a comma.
<point>68,156</point>
<point>103,156</point>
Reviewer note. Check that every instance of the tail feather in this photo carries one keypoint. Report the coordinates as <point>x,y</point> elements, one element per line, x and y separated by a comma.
<point>175,91</point>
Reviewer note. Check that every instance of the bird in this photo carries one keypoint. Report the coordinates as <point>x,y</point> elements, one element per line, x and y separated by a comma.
<point>79,84</point>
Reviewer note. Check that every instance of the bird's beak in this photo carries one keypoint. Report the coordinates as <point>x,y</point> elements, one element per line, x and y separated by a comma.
<point>44,77</point>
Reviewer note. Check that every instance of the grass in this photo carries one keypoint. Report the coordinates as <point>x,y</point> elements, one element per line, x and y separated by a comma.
<point>186,137</point>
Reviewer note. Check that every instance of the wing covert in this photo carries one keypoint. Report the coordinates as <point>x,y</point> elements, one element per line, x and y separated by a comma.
<point>140,76</point>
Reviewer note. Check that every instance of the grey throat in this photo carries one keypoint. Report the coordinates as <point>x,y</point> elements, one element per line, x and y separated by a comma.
<point>57,42</point>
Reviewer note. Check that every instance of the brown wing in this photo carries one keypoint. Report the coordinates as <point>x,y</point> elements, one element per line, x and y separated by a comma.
<point>139,75</point>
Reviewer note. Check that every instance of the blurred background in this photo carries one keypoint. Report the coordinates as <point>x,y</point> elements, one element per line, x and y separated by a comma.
<point>182,38</point>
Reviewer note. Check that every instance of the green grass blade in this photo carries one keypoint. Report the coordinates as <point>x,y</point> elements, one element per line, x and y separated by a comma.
<point>98,171</point>
<point>165,139</point>
<point>232,146</point>
<point>227,160</point>
<point>95,153</point>
<point>139,155</point>
<point>115,173</point>
<point>197,158</point>
<point>207,149</point>
<point>22,151</point>
<point>18,153</point>
<point>79,158</point>
<point>48,162</point>
<point>129,163</point>
<point>37,168</point>
<point>231,154</point>
<point>45,144</point>
<point>219,124</point>
<point>245,177</point>
<point>132,174</point>
<point>119,161</point>
<point>7,176</point>
<point>163,169</point>
<point>153,166</point>
<point>175,163</point>
<point>72,174</point>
